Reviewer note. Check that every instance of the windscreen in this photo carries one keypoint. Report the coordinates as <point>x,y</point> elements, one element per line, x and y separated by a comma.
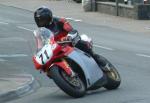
<point>42,36</point>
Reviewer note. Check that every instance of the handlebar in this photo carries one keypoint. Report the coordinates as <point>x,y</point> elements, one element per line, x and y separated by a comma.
<point>64,42</point>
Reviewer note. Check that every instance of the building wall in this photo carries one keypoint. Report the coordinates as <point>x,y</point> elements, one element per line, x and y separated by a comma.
<point>138,11</point>
<point>122,1</point>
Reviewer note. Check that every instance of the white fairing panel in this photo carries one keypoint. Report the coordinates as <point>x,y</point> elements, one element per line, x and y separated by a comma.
<point>44,55</point>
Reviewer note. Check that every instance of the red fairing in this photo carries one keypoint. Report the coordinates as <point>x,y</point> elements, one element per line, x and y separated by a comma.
<point>67,50</point>
<point>58,47</point>
<point>60,36</point>
<point>64,66</point>
<point>55,47</point>
<point>36,64</point>
<point>59,52</point>
<point>64,52</point>
<point>55,53</point>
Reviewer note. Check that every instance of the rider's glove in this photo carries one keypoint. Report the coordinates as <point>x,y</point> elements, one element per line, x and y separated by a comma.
<point>73,36</point>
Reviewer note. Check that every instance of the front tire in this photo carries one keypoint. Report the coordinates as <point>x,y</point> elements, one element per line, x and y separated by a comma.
<point>113,77</point>
<point>62,80</point>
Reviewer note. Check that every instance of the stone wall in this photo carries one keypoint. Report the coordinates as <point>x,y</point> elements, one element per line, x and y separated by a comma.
<point>143,11</point>
<point>138,11</point>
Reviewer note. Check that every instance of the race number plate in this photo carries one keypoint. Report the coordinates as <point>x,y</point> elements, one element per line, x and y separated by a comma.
<point>44,55</point>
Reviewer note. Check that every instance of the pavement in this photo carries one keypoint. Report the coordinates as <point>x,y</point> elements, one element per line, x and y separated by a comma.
<point>15,81</point>
<point>15,84</point>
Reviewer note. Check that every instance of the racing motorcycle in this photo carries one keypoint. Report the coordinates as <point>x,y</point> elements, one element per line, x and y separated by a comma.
<point>73,70</point>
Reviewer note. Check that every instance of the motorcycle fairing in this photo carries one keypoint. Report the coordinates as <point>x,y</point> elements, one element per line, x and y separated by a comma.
<point>88,65</point>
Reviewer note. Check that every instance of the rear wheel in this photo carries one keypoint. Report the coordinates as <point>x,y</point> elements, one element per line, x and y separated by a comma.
<point>73,86</point>
<point>113,77</point>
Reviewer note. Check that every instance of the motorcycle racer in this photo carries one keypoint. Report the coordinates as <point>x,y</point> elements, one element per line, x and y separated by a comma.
<point>60,27</point>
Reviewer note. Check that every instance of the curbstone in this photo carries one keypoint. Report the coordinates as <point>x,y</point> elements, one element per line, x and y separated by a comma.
<point>28,87</point>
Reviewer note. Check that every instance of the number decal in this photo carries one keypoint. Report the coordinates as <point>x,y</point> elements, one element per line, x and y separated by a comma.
<point>44,54</point>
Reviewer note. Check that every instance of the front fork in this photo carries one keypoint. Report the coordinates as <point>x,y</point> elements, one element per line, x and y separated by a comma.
<point>63,64</point>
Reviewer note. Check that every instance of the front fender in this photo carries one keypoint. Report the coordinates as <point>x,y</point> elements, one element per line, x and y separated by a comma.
<point>63,65</point>
<point>88,65</point>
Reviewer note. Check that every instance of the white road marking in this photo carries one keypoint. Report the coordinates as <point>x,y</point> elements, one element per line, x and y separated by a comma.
<point>103,47</point>
<point>20,27</point>
<point>148,28</point>
<point>2,60</point>
<point>12,39</point>
<point>13,55</point>
<point>76,20</point>
<point>143,55</point>
<point>4,23</point>
<point>68,18</point>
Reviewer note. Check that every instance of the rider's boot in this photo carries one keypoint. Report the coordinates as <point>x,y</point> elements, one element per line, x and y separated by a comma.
<point>100,61</point>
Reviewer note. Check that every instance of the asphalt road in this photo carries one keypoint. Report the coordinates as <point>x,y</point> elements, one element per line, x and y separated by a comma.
<point>129,52</point>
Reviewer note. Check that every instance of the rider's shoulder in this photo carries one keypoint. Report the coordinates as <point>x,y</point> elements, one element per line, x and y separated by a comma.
<point>60,19</point>
<point>55,18</point>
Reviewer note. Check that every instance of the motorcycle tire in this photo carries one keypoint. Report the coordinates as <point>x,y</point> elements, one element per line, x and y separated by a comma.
<point>113,77</point>
<point>63,84</point>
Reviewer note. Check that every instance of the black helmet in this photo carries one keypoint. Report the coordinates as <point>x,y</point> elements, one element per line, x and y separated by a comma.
<point>43,16</point>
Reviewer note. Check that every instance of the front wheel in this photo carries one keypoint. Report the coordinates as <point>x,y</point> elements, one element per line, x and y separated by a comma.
<point>73,86</point>
<point>113,77</point>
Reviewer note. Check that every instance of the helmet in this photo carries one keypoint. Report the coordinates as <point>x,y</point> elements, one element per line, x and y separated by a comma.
<point>43,17</point>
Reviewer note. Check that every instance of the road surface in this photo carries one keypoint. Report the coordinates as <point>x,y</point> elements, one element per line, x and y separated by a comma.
<point>128,51</point>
